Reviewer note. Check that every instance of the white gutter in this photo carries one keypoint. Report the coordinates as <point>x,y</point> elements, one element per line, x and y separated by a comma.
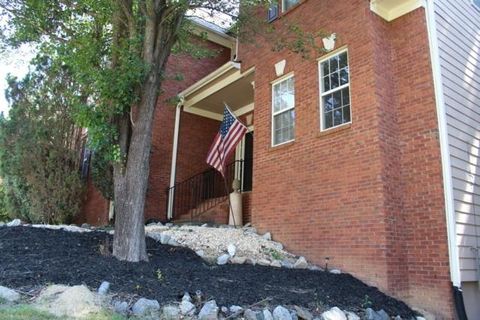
<point>173,168</point>
<point>444,147</point>
<point>210,77</point>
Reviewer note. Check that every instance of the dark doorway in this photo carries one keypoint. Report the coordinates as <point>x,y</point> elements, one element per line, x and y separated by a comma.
<point>248,162</point>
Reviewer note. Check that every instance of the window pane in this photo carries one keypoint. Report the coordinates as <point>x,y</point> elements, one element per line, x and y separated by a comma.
<point>287,4</point>
<point>283,95</point>
<point>334,64</point>
<point>346,114</point>
<point>328,122</point>
<point>344,76</point>
<point>337,117</point>
<point>328,103</point>
<point>326,84</point>
<point>284,124</point>
<point>334,80</point>
<point>325,69</point>
<point>337,99</point>
<point>345,96</point>
<point>343,60</point>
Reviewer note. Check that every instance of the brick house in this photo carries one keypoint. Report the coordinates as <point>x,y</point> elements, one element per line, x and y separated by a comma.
<point>367,154</point>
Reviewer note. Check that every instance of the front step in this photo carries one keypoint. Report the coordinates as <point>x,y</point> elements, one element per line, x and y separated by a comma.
<point>216,213</point>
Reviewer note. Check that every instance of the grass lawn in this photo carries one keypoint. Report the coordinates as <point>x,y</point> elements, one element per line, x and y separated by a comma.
<point>27,312</point>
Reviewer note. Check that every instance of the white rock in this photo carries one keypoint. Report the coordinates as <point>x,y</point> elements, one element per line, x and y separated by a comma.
<point>172,242</point>
<point>235,309</point>
<point>264,262</point>
<point>267,315</point>
<point>335,271</point>
<point>301,263</point>
<point>8,294</point>
<point>187,297</point>
<point>420,318</point>
<point>200,253</point>
<point>276,264</point>
<point>14,223</point>
<point>164,238</point>
<point>286,264</point>
<point>144,306</point>
<point>121,307</point>
<point>251,261</point>
<point>223,259</point>
<point>334,314</point>
<point>351,316</point>
<point>204,225</point>
<point>267,236</point>
<point>314,268</point>
<point>249,314</point>
<point>2,224</point>
<point>75,302</point>
<point>238,260</point>
<point>280,313</point>
<point>383,315</point>
<point>187,308</point>
<point>170,312</point>
<point>303,313</point>
<point>231,249</point>
<point>103,289</point>
<point>209,311</point>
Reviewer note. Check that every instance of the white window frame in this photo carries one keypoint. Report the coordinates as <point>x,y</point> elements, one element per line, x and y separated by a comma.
<point>273,84</point>
<point>322,94</point>
<point>284,6</point>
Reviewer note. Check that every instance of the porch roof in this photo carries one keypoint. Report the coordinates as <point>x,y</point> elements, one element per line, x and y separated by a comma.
<point>227,85</point>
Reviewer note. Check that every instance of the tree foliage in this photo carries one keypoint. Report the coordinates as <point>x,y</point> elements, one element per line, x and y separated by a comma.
<point>40,148</point>
<point>117,51</point>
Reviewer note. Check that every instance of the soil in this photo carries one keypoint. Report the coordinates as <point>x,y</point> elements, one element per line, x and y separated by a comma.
<point>33,257</point>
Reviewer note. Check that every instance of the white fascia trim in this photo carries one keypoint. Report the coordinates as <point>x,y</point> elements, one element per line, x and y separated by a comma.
<point>455,274</point>
<point>214,36</point>
<point>204,113</point>
<point>243,110</point>
<point>210,77</point>
<point>390,12</point>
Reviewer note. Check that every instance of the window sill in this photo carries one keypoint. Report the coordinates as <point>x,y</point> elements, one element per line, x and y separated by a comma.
<point>281,146</point>
<point>333,130</point>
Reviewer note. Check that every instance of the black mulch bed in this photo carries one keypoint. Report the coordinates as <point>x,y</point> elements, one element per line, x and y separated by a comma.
<point>32,257</point>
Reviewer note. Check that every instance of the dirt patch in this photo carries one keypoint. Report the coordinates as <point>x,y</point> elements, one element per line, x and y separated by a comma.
<point>31,257</point>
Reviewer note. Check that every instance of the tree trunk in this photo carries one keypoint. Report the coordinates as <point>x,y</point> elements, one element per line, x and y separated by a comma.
<point>131,182</point>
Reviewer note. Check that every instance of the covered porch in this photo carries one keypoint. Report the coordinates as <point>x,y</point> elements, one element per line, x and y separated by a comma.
<point>202,197</point>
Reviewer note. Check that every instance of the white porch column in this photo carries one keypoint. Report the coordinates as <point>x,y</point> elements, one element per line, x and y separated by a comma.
<point>173,168</point>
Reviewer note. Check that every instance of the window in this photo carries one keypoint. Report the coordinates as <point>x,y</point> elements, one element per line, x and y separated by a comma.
<point>476,3</point>
<point>334,91</point>
<point>272,11</point>
<point>283,111</point>
<point>287,4</point>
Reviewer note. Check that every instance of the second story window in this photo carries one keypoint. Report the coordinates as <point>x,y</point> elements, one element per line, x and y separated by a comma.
<point>334,91</point>
<point>287,4</point>
<point>283,111</point>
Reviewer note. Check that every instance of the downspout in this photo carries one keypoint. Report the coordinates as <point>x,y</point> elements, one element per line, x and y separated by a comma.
<point>445,157</point>
<point>173,168</point>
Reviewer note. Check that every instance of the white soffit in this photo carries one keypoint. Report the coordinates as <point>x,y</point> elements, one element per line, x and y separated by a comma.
<point>393,9</point>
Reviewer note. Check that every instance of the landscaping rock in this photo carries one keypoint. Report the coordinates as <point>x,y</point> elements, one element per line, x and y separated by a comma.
<point>164,238</point>
<point>170,312</point>
<point>314,268</point>
<point>14,223</point>
<point>263,262</point>
<point>252,315</point>
<point>267,236</point>
<point>334,314</point>
<point>145,306</point>
<point>2,224</point>
<point>352,316</point>
<point>9,294</point>
<point>301,263</point>
<point>383,315</point>
<point>281,313</point>
<point>294,315</point>
<point>276,264</point>
<point>231,249</point>
<point>235,309</point>
<point>267,315</point>
<point>172,242</point>
<point>200,253</point>
<point>303,313</point>
<point>223,259</point>
<point>120,307</point>
<point>187,308</point>
<point>238,260</point>
<point>187,297</point>
<point>224,310</point>
<point>85,226</point>
<point>209,311</point>
<point>335,271</point>
<point>75,302</point>
<point>286,264</point>
<point>104,287</point>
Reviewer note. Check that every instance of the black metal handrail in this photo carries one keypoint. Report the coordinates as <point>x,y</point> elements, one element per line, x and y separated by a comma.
<point>203,191</point>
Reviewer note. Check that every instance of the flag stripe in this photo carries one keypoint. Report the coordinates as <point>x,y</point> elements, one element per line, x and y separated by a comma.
<point>230,133</point>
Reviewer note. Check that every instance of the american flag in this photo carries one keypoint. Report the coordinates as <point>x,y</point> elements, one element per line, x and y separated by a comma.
<point>230,134</point>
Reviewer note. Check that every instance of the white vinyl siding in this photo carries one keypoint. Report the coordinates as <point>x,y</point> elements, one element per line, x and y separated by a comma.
<point>283,111</point>
<point>458,29</point>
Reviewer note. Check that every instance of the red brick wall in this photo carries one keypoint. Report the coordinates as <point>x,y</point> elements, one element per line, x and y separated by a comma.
<point>369,195</point>
<point>196,133</point>
<point>95,207</point>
